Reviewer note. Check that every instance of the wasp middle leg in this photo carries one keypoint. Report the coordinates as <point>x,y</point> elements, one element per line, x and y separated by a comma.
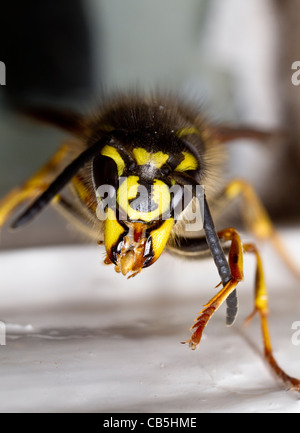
<point>256,218</point>
<point>34,186</point>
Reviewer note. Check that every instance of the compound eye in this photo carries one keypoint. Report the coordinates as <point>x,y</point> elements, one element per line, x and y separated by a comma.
<point>104,172</point>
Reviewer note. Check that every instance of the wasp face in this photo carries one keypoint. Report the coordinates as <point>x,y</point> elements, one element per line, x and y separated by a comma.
<point>144,151</point>
<point>140,165</point>
<point>137,203</point>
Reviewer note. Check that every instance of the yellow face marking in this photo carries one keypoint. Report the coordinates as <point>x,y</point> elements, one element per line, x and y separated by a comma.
<point>188,163</point>
<point>187,131</point>
<point>129,190</point>
<point>160,237</point>
<point>112,230</point>
<point>111,152</point>
<point>142,157</point>
<point>161,196</point>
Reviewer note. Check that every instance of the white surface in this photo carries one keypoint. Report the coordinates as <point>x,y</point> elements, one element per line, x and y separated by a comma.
<point>82,338</point>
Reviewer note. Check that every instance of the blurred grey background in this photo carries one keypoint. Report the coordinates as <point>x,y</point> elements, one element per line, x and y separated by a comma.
<point>235,57</point>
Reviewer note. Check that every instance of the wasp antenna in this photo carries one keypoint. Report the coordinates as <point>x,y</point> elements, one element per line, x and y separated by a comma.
<point>59,183</point>
<point>222,265</point>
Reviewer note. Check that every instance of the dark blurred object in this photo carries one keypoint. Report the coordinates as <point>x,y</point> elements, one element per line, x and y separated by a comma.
<point>287,173</point>
<point>46,47</point>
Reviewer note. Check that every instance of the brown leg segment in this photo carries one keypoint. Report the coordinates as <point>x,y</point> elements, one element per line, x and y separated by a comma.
<point>261,302</point>
<point>209,309</point>
<point>236,268</point>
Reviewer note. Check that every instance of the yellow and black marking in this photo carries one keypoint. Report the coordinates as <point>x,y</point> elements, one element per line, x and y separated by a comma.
<point>142,194</point>
<point>113,153</point>
<point>188,163</point>
<point>143,202</point>
<point>143,157</point>
<point>114,233</point>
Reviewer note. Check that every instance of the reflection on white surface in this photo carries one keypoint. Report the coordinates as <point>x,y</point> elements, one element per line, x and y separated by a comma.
<point>82,338</point>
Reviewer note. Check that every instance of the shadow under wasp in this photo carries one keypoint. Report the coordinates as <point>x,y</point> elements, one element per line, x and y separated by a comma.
<point>154,143</point>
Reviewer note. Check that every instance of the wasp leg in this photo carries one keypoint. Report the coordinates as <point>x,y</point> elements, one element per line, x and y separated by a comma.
<point>261,302</point>
<point>206,314</point>
<point>261,307</point>
<point>236,269</point>
<point>33,187</point>
<point>224,133</point>
<point>195,247</point>
<point>256,218</point>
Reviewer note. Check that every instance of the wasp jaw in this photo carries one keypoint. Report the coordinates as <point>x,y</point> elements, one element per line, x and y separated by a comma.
<point>131,259</point>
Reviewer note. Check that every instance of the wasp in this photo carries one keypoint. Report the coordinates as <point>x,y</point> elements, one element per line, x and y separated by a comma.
<point>133,178</point>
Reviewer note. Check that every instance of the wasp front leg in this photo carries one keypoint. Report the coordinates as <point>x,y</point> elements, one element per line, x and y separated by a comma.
<point>237,275</point>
